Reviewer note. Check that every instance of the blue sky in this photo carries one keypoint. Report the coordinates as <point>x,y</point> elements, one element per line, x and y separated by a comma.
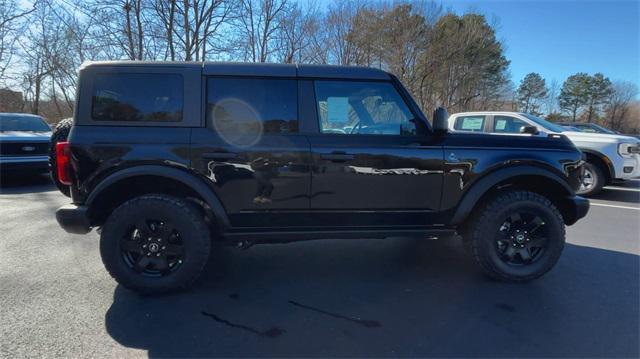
<point>560,38</point>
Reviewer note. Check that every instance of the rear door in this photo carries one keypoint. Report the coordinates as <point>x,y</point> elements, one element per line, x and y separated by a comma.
<point>251,150</point>
<point>373,162</point>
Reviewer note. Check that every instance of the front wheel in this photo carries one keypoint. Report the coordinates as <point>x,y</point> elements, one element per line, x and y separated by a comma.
<point>155,243</point>
<point>518,236</point>
<point>592,180</point>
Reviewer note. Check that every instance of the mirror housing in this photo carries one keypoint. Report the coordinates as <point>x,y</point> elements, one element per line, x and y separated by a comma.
<point>440,120</point>
<point>532,130</point>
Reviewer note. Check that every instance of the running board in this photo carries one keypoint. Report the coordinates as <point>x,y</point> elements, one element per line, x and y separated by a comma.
<point>293,236</point>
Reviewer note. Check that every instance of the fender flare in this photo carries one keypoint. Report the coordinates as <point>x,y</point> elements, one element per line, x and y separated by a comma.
<point>172,173</point>
<point>482,185</point>
<point>603,158</point>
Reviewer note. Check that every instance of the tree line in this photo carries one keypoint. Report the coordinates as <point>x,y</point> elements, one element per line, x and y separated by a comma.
<point>443,59</point>
<point>582,98</point>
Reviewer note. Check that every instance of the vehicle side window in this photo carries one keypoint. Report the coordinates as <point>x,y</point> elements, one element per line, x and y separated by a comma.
<point>362,108</point>
<point>252,106</point>
<point>507,124</point>
<point>137,97</point>
<point>470,123</point>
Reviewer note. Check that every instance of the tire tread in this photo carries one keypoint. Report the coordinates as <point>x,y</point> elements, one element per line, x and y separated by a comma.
<point>180,205</point>
<point>490,211</point>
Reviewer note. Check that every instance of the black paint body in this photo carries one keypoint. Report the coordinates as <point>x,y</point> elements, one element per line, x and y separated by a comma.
<point>319,185</point>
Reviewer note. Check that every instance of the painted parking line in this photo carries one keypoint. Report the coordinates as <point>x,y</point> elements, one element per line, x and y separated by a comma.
<point>613,206</point>
<point>622,189</point>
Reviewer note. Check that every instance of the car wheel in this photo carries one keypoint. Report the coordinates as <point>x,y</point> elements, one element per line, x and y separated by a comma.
<point>518,236</point>
<point>155,243</point>
<point>592,180</point>
<point>60,134</point>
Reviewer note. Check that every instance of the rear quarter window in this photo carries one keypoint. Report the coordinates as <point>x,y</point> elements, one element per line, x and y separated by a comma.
<point>137,97</point>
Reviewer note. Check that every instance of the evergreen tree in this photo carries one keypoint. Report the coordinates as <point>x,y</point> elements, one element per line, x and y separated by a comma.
<point>531,91</point>
<point>574,94</point>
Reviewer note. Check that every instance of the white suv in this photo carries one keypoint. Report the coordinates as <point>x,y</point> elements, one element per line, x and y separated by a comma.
<point>609,157</point>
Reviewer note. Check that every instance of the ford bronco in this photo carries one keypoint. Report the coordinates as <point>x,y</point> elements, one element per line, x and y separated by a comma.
<point>168,159</point>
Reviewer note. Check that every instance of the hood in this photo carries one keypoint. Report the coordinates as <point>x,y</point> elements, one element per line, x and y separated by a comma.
<point>25,136</point>
<point>600,137</point>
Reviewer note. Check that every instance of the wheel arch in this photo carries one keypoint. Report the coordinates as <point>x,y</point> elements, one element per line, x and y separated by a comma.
<point>602,161</point>
<point>531,178</point>
<point>131,182</point>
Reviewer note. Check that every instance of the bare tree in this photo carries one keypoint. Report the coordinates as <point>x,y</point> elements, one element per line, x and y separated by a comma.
<point>198,25</point>
<point>258,25</point>
<point>11,25</point>
<point>337,26</point>
<point>166,14</point>
<point>296,33</point>
<point>36,49</point>
<point>618,107</point>
<point>551,101</point>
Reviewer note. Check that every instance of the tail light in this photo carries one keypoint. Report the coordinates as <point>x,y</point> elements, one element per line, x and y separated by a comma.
<point>63,162</point>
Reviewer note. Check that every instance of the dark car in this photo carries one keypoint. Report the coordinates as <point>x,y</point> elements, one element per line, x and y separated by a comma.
<point>588,127</point>
<point>593,128</point>
<point>169,158</point>
<point>24,143</point>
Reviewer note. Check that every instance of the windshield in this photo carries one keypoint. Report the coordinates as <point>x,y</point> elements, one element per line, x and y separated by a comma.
<point>600,129</point>
<point>544,123</point>
<point>23,123</point>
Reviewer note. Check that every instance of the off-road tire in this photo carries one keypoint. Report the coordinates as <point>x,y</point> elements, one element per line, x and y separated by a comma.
<point>487,223</point>
<point>598,180</point>
<point>184,216</point>
<point>60,134</point>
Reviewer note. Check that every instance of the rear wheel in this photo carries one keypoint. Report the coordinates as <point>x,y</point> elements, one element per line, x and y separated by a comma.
<point>518,236</point>
<point>155,243</point>
<point>592,180</point>
<point>60,134</point>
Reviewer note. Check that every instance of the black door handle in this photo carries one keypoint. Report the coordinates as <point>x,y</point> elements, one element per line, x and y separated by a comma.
<point>337,157</point>
<point>219,155</point>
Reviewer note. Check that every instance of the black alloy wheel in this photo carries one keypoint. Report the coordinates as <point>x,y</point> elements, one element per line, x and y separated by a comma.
<point>155,243</point>
<point>522,238</point>
<point>517,236</point>
<point>153,248</point>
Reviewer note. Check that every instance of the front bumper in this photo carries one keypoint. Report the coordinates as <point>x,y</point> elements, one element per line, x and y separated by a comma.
<point>578,208</point>
<point>24,163</point>
<point>74,219</point>
<point>631,165</point>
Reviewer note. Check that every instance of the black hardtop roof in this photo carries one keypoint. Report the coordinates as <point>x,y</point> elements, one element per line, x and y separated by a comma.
<point>258,69</point>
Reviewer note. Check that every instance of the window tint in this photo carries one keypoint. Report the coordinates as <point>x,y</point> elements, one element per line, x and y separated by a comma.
<point>251,106</point>
<point>507,124</point>
<point>371,108</point>
<point>470,123</point>
<point>137,97</point>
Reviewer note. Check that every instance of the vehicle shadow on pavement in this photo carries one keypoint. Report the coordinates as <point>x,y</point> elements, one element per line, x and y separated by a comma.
<point>25,183</point>
<point>617,196</point>
<point>403,297</point>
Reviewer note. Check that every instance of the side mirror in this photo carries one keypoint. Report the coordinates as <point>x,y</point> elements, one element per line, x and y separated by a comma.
<point>532,130</point>
<point>440,120</point>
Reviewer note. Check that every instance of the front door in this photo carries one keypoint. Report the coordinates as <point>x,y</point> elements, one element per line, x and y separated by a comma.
<point>251,150</point>
<point>373,165</point>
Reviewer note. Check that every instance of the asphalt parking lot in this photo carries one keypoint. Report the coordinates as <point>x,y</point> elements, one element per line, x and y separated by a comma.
<point>401,297</point>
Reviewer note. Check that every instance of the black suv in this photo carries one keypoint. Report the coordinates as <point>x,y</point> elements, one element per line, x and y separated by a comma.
<point>169,158</point>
